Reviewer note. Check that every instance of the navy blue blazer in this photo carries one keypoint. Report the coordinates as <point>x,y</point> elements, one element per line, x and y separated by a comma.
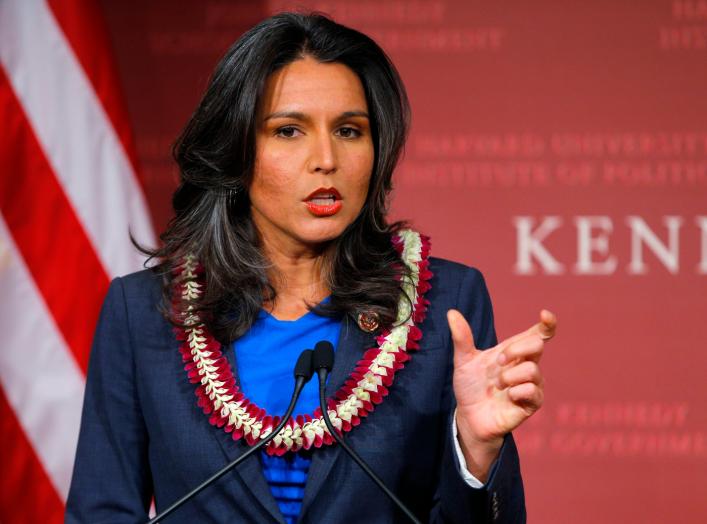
<point>142,434</point>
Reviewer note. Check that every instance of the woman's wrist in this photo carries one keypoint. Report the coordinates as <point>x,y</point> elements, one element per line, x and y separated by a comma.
<point>479,453</point>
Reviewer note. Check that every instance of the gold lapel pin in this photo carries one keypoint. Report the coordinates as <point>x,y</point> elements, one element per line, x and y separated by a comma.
<point>368,321</point>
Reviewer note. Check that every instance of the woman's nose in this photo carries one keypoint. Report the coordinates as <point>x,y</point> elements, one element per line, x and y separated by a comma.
<point>323,154</point>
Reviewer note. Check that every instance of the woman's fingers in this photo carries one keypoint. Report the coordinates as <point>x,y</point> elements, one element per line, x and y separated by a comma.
<point>547,325</point>
<point>461,331</point>
<point>529,343</point>
<point>545,329</point>
<point>528,348</point>
<point>526,371</point>
<point>527,394</point>
<point>462,337</point>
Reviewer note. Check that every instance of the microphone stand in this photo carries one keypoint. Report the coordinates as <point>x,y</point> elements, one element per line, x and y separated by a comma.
<point>323,360</point>
<point>303,372</point>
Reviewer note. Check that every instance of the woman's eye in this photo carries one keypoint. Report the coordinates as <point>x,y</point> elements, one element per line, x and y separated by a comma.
<point>287,132</point>
<point>348,132</point>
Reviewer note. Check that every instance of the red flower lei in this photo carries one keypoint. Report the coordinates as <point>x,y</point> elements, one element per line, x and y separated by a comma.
<point>368,384</point>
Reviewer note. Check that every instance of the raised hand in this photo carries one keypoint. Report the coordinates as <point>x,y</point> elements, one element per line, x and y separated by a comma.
<point>496,389</point>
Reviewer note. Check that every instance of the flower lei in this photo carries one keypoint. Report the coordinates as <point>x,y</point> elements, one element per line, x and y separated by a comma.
<point>368,384</point>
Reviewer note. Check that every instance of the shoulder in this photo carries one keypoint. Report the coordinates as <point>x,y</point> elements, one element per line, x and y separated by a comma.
<point>136,297</point>
<point>455,278</point>
<point>141,286</point>
<point>135,289</point>
<point>461,287</point>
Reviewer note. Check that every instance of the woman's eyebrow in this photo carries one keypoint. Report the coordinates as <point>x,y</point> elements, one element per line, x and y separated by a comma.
<point>350,114</point>
<point>297,115</point>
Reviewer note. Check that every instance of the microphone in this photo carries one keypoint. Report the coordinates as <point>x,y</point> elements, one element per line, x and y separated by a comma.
<point>303,372</point>
<point>322,363</point>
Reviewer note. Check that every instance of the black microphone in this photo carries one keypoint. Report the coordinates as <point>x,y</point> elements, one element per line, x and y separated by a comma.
<point>323,362</point>
<point>303,372</point>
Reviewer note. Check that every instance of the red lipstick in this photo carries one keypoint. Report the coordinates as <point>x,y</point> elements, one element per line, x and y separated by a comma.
<point>324,202</point>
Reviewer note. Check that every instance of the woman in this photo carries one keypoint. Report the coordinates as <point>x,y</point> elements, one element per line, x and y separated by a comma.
<point>279,240</point>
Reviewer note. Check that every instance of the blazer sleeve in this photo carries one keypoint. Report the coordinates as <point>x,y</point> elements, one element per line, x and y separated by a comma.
<point>111,480</point>
<point>501,500</point>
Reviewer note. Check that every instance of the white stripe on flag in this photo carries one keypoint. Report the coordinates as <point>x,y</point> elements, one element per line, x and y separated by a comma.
<point>38,373</point>
<point>75,133</point>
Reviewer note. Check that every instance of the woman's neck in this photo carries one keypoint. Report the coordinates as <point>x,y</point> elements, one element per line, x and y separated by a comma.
<point>298,277</point>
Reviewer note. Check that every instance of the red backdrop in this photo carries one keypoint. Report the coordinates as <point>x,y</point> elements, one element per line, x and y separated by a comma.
<point>560,147</point>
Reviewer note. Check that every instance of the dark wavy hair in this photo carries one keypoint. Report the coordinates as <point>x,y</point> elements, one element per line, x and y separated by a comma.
<point>216,152</point>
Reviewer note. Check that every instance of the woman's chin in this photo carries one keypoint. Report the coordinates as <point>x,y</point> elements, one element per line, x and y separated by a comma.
<point>323,231</point>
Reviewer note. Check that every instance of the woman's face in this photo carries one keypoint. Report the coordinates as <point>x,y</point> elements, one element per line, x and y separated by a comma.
<point>314,154</point>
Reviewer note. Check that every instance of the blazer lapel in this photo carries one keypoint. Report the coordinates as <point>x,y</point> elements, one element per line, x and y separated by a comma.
<point>353,342</point>
<point>250,471</point>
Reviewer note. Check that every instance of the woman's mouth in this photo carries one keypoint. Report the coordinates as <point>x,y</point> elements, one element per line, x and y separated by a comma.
<point>324,202</point>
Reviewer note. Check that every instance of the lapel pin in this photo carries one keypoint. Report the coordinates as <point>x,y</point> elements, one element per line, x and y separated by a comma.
<point>368,321</point>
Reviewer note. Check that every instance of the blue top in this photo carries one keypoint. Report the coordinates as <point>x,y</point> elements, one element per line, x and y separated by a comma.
<point>266,356</point>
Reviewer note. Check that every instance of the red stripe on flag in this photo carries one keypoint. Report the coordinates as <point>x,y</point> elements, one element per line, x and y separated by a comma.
<point>26,493</point>
<point>85,29</point>
<point>52,241</point>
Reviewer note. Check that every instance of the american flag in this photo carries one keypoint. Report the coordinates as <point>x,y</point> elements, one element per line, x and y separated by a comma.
<point>69,194</point>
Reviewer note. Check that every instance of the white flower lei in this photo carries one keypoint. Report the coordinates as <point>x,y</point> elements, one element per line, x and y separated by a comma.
<point>220,397</point>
